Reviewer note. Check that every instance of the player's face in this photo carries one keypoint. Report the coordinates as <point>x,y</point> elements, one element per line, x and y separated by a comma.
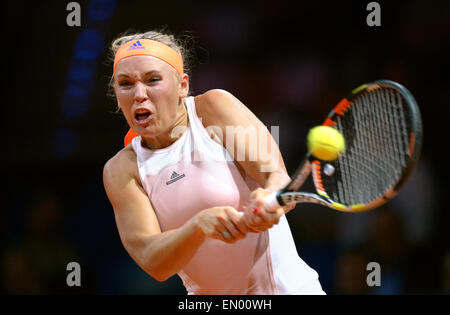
<point>149,93</point>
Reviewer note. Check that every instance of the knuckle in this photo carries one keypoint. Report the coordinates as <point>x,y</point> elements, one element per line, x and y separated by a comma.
<point>228,209</point>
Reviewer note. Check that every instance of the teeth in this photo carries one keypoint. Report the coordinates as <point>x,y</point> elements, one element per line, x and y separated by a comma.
<point>142,116</point>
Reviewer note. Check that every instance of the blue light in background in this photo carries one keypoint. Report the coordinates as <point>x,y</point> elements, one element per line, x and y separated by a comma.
<point>101,10</point>
<point>81,78</point>
<point>77,89</point>
<point>89,45</point>
<point>82,72</point>
<point>64,142</point>
<point>74,107</point>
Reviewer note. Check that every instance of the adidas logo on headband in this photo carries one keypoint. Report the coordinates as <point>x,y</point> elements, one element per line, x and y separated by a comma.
<point>136,45</point>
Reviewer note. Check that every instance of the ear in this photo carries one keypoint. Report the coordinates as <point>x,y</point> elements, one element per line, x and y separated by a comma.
<point>184,86</point>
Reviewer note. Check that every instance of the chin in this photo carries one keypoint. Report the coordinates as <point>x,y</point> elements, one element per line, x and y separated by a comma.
<point>149,131</point>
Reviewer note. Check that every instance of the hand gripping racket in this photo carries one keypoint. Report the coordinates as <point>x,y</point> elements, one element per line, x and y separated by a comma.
<point>382,127</point>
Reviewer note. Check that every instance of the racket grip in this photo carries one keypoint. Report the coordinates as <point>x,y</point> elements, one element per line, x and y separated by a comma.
<point>271,201</point>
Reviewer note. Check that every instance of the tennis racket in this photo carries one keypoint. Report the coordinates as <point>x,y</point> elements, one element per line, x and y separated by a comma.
<point>382,127</point>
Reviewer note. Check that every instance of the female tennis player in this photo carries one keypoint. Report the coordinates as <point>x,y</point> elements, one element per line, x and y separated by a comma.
<point>183,203</point>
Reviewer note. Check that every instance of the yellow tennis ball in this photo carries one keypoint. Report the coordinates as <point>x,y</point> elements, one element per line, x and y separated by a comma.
<point>325,143</point>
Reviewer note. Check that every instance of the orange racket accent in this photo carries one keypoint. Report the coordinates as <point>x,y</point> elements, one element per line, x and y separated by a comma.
<point>412,140</point>
<point>342,106</point>
<point>129,137</point>
<point>317,177</point>
<point>372,87</point>
<point>328,122</point>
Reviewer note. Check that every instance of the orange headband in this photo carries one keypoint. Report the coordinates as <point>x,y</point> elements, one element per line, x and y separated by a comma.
<point>148,47</point>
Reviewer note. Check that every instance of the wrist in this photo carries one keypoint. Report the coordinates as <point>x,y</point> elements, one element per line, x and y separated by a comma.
<point>276,181</point>
<point>196,227</point>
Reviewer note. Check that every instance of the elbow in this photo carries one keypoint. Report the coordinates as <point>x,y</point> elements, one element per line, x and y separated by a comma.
<point>149,261</point>
<point>159,276</point>
<point>157,270</point>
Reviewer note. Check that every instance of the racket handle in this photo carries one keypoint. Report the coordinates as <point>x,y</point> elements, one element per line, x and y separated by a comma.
<point>271,201</point>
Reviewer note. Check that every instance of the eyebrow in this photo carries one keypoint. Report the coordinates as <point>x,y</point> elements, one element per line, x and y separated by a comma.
<point>146,74</point>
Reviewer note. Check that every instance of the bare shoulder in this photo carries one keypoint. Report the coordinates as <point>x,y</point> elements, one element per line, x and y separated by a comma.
<point>120,168</point>
<point>212,99</point>
<point>217,105</point>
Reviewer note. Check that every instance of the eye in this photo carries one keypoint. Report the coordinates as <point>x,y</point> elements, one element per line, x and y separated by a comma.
<point>124,83</point>
<point>153,79</point>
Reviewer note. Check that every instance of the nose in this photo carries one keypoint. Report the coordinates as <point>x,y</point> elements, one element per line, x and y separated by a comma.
<point>140,93</point>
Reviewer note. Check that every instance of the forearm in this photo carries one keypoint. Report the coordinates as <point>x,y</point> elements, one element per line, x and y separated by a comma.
<point>276,180</point>
<point>166,253</point>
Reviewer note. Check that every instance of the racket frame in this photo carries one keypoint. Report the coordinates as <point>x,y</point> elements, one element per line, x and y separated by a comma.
<point>312,165</point>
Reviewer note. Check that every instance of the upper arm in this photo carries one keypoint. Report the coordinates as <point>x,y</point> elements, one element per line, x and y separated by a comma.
<point>252,145</point>
<point>135,218</point>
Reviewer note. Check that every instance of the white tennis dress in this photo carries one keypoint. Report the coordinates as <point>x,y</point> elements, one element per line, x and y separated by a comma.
<point>196,173</point>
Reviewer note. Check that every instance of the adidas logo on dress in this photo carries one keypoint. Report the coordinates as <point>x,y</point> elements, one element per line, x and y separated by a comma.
<point>174,177</point>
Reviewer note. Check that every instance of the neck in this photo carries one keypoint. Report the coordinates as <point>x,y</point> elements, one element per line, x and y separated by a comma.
<point>175,132</point>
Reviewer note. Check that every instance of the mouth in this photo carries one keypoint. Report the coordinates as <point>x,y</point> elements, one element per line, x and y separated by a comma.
<point>142,116</point>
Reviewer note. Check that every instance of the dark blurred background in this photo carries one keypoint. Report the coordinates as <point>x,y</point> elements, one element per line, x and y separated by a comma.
<point>289,62</point>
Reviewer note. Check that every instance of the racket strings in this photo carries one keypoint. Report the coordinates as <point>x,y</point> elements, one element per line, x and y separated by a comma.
<point>376,133</point>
